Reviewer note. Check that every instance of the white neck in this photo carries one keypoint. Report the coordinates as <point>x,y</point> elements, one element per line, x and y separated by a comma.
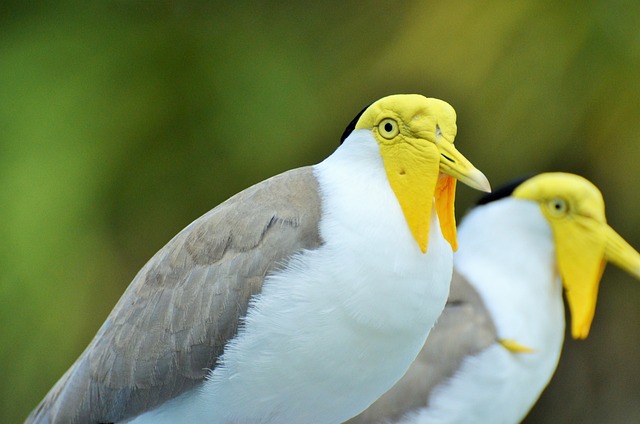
<point>507,253</point>
<point>362,203</point>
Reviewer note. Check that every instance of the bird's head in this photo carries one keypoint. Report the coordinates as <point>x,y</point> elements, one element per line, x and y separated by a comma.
<point>416,135</point>
<point>584,242</point>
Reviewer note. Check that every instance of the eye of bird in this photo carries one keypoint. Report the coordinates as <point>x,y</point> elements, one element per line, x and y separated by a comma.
<point>388,128</point>
<point>557,206</point>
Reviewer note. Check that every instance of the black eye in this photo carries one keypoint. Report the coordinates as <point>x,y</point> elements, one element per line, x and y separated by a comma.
<point>388,128</point>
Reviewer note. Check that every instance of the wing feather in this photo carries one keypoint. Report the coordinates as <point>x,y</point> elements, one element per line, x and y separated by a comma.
<point>174,319</point>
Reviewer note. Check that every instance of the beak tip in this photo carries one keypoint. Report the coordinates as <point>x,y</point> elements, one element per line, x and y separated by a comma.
<point>482,182</point>
<point>475,179</point>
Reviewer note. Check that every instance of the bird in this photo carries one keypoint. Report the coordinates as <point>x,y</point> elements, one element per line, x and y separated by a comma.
<point>276,305</point>
<point>498,341</point>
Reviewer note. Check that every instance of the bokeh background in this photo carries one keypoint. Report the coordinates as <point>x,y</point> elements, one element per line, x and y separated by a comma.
<point>122,121</point>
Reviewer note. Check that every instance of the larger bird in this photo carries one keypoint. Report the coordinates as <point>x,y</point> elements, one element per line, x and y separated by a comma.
<point>498,342</point>
<point>300,300</point>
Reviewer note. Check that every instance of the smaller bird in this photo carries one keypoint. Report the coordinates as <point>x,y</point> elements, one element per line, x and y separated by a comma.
<point>498,341</point>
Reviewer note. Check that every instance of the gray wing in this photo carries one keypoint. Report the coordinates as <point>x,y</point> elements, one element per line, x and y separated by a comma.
<point>464,328</point>
<point>173,321</point>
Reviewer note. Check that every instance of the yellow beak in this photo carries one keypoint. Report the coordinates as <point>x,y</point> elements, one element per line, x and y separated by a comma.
<point>454,167</point>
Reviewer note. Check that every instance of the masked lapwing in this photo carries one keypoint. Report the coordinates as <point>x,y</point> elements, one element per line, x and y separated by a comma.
<point>301,299</point>
<point>498,341</point>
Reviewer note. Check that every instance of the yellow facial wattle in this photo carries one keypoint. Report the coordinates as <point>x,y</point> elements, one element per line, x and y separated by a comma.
<point>584,242</point>
<point>415,135</point>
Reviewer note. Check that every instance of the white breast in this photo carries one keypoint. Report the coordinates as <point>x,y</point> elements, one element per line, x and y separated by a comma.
<point>341,324</point>
<point>507,254</point>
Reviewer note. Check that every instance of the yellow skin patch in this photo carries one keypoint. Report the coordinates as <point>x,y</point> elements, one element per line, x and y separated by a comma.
<point>584,241</point>
<point>416,135</point>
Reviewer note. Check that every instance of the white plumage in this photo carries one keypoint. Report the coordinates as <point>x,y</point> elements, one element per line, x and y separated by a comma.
<point>498,342</point>
<point>347,318</point>
<point>506,253</point>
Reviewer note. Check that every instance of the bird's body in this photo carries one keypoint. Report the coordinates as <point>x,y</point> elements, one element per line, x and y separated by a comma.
<point>499,339</point>
<point>275,306</point>
<point>346,318</point>
<point>497,385</point>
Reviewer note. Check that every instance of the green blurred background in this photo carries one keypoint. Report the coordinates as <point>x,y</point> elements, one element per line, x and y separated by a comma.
<point>123,121</point>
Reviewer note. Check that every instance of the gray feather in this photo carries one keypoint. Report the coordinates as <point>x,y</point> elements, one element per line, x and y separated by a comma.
<point>173,321</point>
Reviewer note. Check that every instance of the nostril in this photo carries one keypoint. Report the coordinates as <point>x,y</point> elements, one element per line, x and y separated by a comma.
<point>448,158</point>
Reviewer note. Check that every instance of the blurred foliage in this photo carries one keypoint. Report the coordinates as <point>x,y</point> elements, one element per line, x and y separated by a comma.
<point>123,121</point>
